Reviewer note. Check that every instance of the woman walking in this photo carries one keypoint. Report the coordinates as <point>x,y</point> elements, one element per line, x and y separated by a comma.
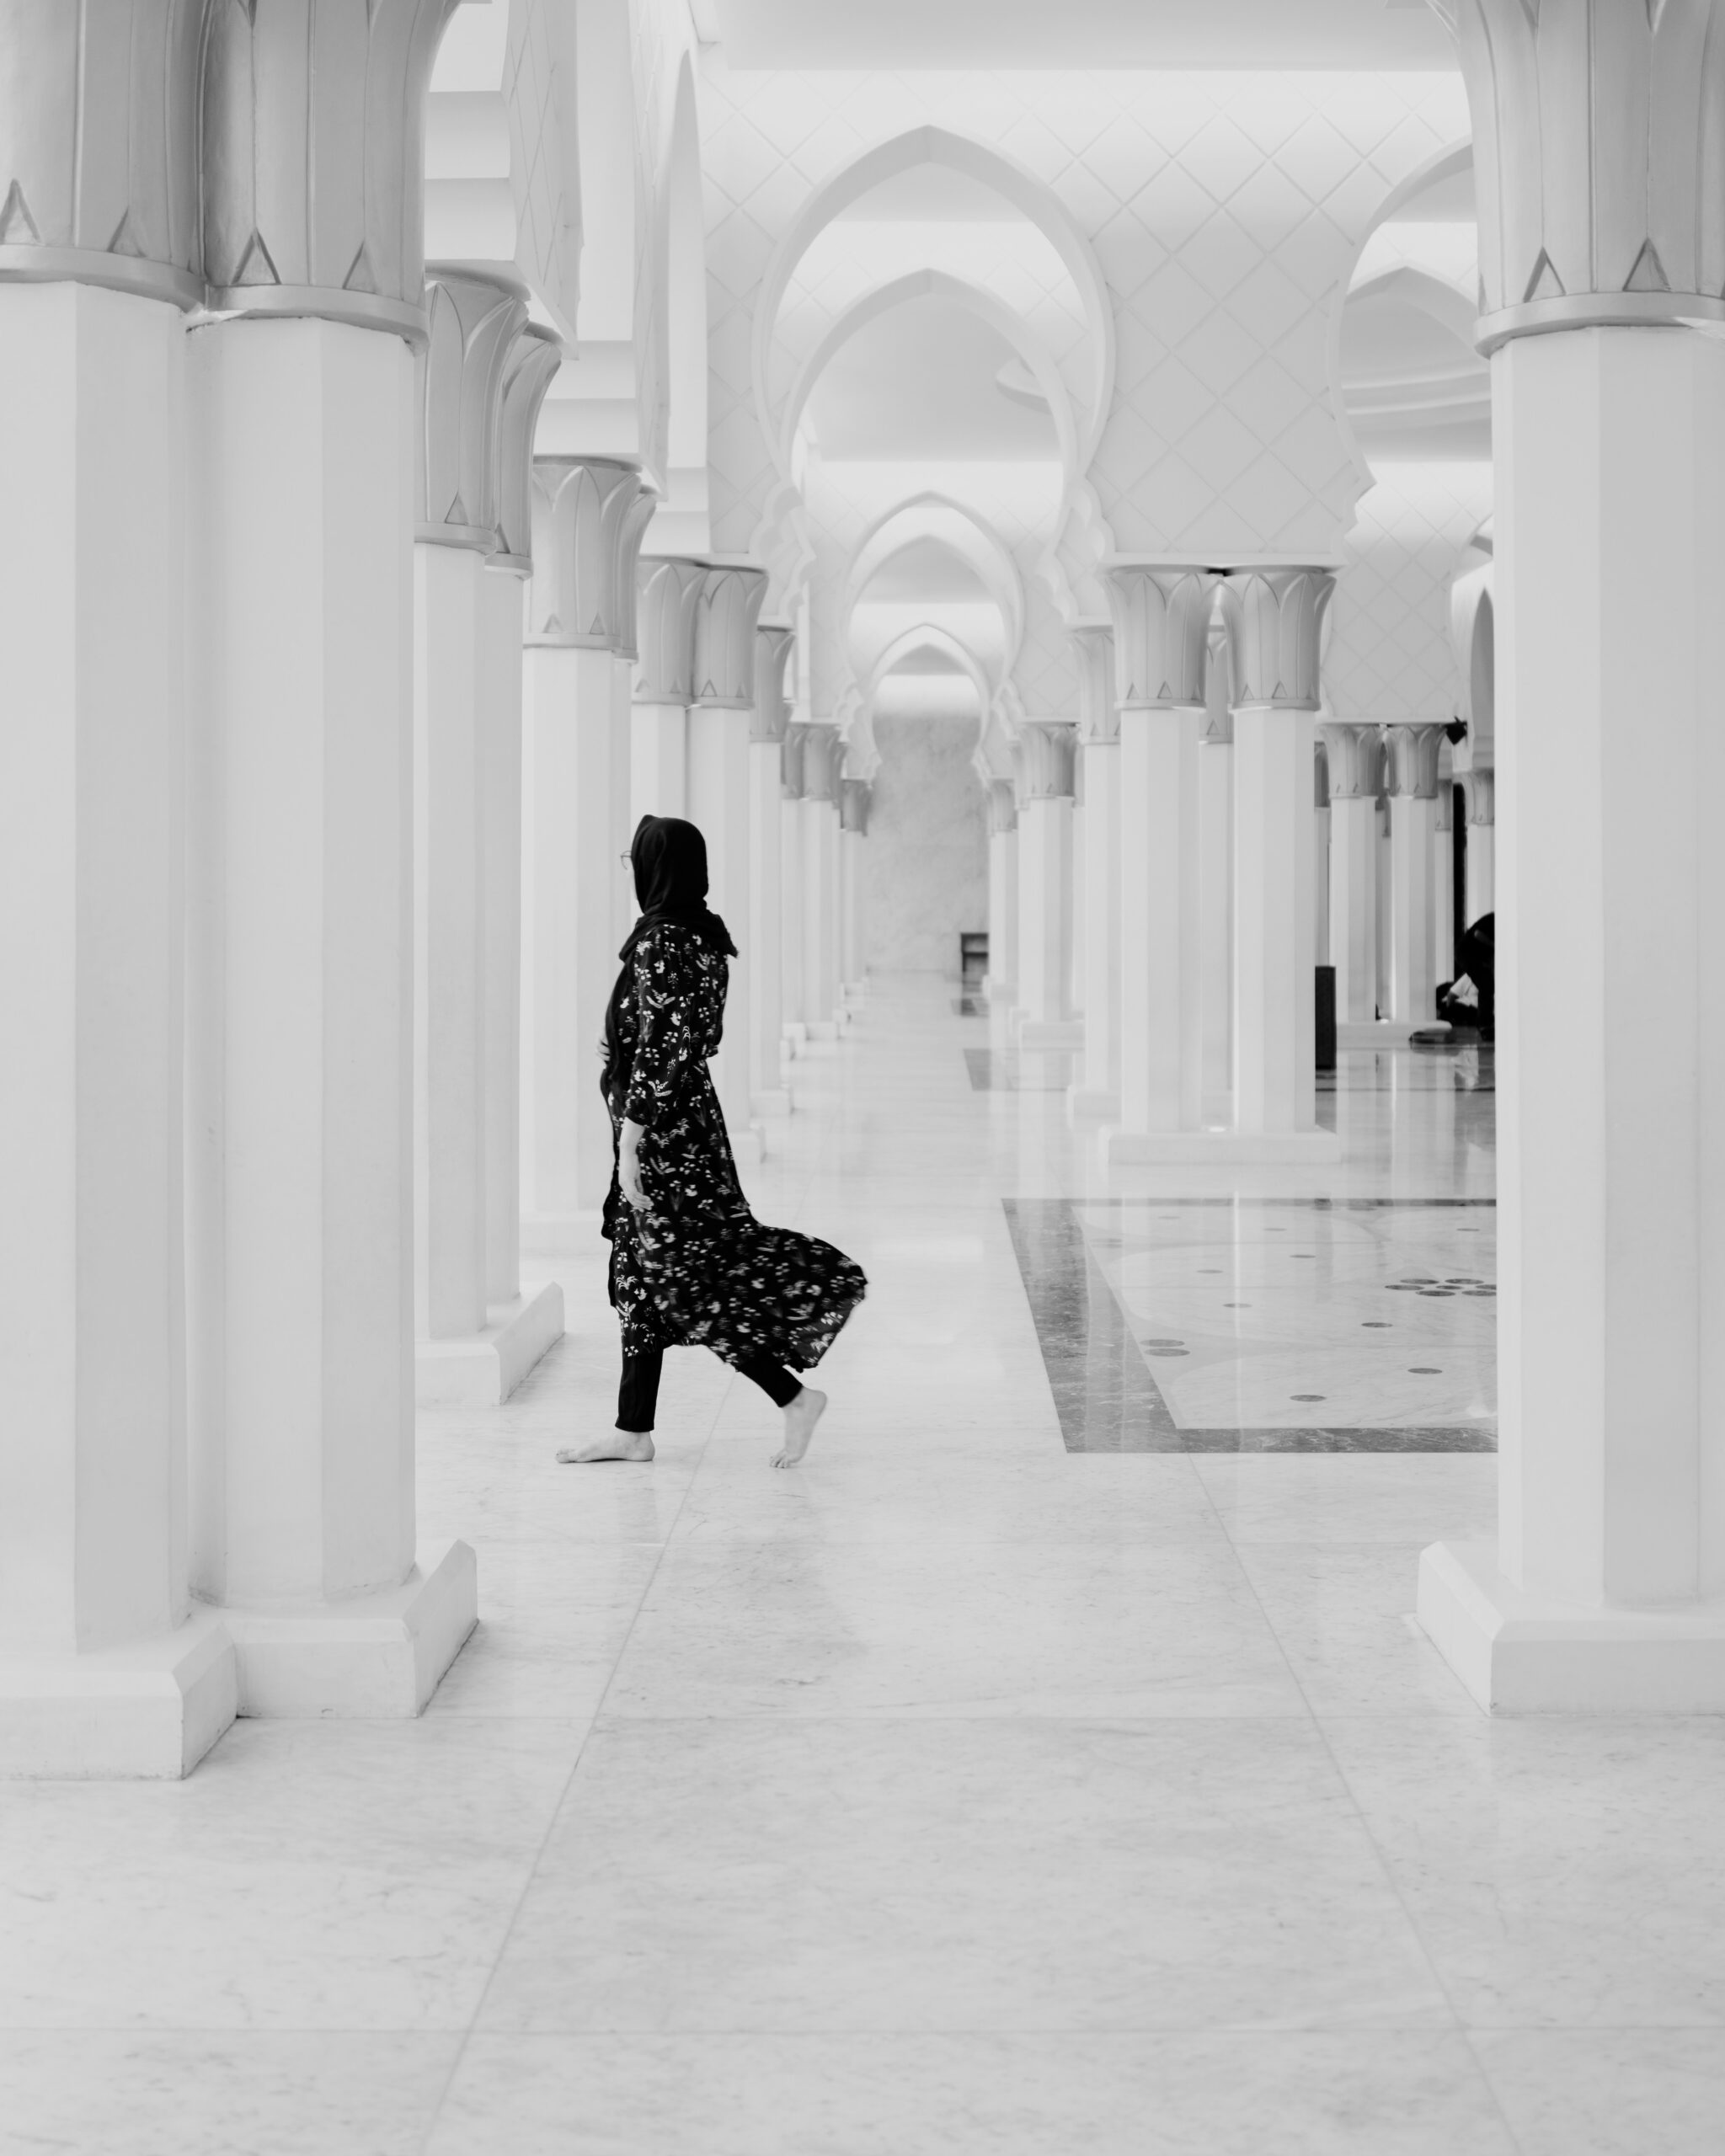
<point>690,1264</point>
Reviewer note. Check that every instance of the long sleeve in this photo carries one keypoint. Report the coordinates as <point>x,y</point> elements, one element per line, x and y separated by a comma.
<point>664,1040</point>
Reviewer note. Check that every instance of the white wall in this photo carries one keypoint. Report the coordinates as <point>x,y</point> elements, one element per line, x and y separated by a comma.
<point>927,857</point>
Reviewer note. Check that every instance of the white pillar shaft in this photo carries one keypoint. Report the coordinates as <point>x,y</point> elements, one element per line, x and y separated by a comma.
<point>305,1388</point>
<point>793,887</point>
<point>1612,1358</point>
<point>569,960</point>
<point>500,613</point>
<point>1160,1040</point>
<point>1075,907</point>
<point>1002,915</point>
<point>1412,888</point>
<point>718,804</point>
<point>659,761</point>
<point>1274,1047</point>
<point>820,981</point>
<point>851,873</point>
<point>767,1014</point>
<point>1215,913</point>
<point>623,819</point>
<point>1444,906</point>
<point>1045,910</point>
<point>1482,871</point>
<point>92,600</point>
<point>1354,907</point>
<point>1101,925</point>
<point>448,882</point>
<point>1320,885</point>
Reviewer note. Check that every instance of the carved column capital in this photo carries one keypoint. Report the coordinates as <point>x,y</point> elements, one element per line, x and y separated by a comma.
<point>314,157</point>
<point>792,757</point>
<point>1002,808</point>
<point>774,642</point>
<point>1217,732</point>
<point>823,763</point>
<point>1480,788</point>
<point>1598,151</point>
<point>1274,618</point>
<point>1047,752</point>
<point>473,322</point>
<point>725,615</point>
<point>584,511</point>
<point>668,590</point>
<point>99,146</point>
<point>531,367</point>
<point>855,796</point>
<point>1098,712</point>
<point>1161,625</point>
<point>1414,750</point>
<point>1355,753</point>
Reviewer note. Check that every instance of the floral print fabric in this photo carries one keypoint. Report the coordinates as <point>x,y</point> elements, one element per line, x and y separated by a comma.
<point>697,1269</point>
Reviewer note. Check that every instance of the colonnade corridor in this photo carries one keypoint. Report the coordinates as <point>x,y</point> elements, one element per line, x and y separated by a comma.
<point>1052,1763</point>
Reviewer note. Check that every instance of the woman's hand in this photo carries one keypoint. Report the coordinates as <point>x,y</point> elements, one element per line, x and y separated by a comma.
<point>628,1166</point>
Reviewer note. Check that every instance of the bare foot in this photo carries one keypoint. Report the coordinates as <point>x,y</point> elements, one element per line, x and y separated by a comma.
<point>804,1412</point>
<point>620,1444</point>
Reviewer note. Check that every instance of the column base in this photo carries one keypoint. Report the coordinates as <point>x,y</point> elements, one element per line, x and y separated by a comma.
<point>149,1710</point>
<point>748,1143</point>
<point>379,1656</point>
<point>796,1035</point>
<point>1379,1033</point>
<point>1086,1102</point>
<point>1520,1653</point>
<point>548,1235</point>
<point>778,1102</point>
<point>1235,1148</point>
<point>1035,1033</point>
<point>822,1029</point>
<point>484,1369</point>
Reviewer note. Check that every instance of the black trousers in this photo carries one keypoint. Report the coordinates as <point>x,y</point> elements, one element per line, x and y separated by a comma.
<point>637,1395</point>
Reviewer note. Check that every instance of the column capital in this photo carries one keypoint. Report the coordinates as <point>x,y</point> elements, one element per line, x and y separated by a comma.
<point>668,590</point>
<point>1413,749</point>
<point>725,616</point>
<point>1161,615</point>
<point>1047,752</point>
<point>584,511</point>
<point>855,796</point>
<point>99,173</point>
<point>1002,808</point>
<point>314,157</point>
<point>1480,789</point>
<point>793,773</point>
<point>823,762</point>
<point>774,642</point>
<point>528,373</point>
<point>1593,207</point>
<point>1098,712</point>
<point>1355,753</point>
<point>1218,729</point>
<point>1274,618</point>
<point>473,319</point>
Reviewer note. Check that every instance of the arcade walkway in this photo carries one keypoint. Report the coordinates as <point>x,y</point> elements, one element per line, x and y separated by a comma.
<point>1051,1765</point>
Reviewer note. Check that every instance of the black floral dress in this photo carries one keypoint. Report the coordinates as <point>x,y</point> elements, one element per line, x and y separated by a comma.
<point>697,1269</point>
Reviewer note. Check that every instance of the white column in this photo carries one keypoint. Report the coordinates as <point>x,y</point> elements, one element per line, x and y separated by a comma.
<point>1274,616</point>
<point>855,796</point>
<point>793,884</point>
<point>1414,817</point>
<point>1096,1089</point>
<point>475,320</point>
<point>106,1668</point>
<point>588,517</point>
<point>1000,986</point>
<point>301,1384</point>
<point>668,590</point>
<point>1320,855</point>
<point>1215,896</point>
<point>1047,749</point>
<point>1605,1591</point>
<point>1353,752</point>
<point>820,959</point>
<point>721,722</point>
<point>1481,790</point>
<point>1444,882</point>
<point>767,1009</point>
<point>1161,623</point>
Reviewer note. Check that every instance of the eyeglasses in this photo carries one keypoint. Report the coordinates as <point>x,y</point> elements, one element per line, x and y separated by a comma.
<point>626,859</point>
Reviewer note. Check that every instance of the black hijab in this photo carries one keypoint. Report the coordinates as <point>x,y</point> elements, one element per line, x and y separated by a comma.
<point>669,857</point>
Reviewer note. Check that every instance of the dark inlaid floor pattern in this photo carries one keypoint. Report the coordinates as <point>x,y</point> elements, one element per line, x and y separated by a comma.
<point>1105,1389</point>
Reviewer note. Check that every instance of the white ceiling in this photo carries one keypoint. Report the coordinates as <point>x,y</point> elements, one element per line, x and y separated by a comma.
<point>925,570</point>
<point>921,382</point>
<point>1080,34</point>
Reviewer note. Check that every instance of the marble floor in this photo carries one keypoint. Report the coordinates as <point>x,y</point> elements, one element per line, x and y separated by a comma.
<point>1000,1783</point>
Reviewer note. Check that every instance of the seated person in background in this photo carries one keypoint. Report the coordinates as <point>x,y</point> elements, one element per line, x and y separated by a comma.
<point>1471,999</point>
